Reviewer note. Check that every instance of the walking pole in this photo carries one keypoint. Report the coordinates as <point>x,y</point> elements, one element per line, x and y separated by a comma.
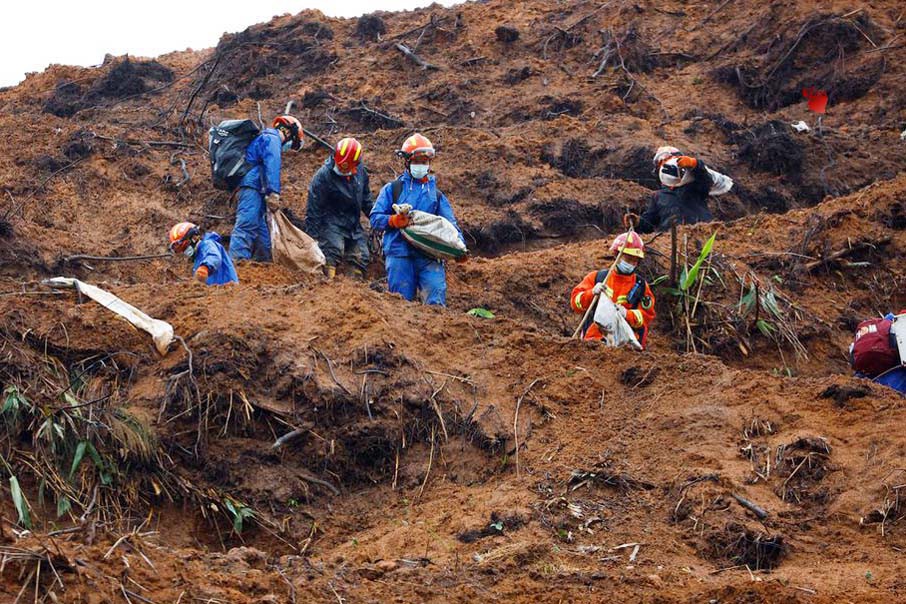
<point>594,301</point>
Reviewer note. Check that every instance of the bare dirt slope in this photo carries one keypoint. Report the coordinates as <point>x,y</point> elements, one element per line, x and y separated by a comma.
<point>432,455</point>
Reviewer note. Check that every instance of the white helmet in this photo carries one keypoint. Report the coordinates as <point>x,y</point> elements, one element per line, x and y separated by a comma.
<point>671,175</point>
<point>664,153</point>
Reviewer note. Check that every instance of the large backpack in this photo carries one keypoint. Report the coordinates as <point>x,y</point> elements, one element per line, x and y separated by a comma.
<point>874,348</point>
<point>227,142</point>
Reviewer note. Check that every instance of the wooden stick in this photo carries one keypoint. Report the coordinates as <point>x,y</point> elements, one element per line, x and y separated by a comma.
<point>78,257</point>
<point>516,422</point>
<point>414,57</point>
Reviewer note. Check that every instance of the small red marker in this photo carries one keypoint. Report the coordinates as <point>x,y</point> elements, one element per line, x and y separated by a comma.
<point>817,99</point>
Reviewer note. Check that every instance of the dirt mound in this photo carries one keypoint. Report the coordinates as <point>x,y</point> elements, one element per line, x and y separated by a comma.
<point>125,79</point>
<point>313,441</point>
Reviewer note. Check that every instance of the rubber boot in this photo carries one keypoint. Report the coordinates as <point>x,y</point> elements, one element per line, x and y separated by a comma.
<point>330,271</point>
<point>357,273</point>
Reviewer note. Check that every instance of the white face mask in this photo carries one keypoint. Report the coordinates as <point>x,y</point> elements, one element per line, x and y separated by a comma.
<point>339,172</point>
<point>419,171</point>
<point>626,268</point>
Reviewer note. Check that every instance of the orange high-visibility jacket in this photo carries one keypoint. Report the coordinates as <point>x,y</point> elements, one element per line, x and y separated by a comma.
<point>617,289</point>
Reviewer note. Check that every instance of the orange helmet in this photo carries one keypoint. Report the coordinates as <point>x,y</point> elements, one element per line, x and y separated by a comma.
<point>416,147</point>
<point>293,127</point>
<point>347,155</point>
<point>631,243</point>
<point>181,236</point>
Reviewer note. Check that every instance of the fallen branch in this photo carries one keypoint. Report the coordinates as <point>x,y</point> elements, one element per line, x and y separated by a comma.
<point>425,65</point>
<point>712,13</point>
<point>315,480</point>
<point>388,118</point>
<point>288,437</point>
<point>516,422</point>
<point>809,267</point>
<point>182,165</point>
<point>79,257</point>
<point>143,142</point>
<point>752,507</point>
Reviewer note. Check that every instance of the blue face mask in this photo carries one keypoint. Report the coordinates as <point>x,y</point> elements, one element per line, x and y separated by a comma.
<point>625,268</point>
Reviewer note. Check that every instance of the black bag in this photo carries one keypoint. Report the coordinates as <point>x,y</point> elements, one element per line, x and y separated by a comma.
<point>227,142</point>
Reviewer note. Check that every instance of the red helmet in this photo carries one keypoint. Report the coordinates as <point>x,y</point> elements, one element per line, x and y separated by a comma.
<point>416,147</point>
<point>181,236</point>
<point>347,155</point>
<point>293,127</point>
<point>631,243</point>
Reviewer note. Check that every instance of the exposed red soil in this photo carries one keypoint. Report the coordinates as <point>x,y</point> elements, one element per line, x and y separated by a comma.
<point>406,482</point>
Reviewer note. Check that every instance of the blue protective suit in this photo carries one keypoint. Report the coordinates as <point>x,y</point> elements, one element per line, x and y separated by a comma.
<point>210,253</point>
<point>408,269</point>
<point>250,237</point>
<point>895,378</point>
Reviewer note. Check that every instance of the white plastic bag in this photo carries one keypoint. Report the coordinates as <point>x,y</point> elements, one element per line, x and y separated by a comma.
<point>161,331</point>
<point>899,331</point>
<point>292,247</point>
<point>432,234</point>
<point>614,328</point>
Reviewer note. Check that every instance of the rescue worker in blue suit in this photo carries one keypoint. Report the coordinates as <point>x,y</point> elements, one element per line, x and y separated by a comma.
<point>409,271</point>
<point>260,188</point>
<point>212,264</point>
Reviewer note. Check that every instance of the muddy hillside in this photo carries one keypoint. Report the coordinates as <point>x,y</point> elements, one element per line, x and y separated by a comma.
<point>329,442</point>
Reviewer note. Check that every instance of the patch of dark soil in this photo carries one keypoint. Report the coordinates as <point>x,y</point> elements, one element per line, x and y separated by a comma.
<point>515,75</point>
<point>765,198</point>
<point>771,148</point>
<point>630,48</point>
<point>135,169</point>
<point>65,100</point>
<point>369,118</point>
<point>497,526</point>
<point>78,145</point>
<point>554,108</point>
<point>456,107</point>
<point>575,158</point>
<point>47,163</point>
<point>250,59</point>
<point>369,27</point>
<point>566,216</point>
<point>491,237</point>
<point>639,377</point>
<point>313,98</point>
<point>895,217</point>
<point>6,229</point>
<point>824,53</point>
<point>128,78</point>
<point>802,464</point>
<point>506,34</point>
<point>843,394</point>
<point>743,546</point>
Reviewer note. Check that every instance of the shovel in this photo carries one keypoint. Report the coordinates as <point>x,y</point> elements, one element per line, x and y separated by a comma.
<point>594,302</point>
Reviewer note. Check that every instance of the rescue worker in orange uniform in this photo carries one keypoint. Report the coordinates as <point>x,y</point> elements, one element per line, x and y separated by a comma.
<point>624,286</point>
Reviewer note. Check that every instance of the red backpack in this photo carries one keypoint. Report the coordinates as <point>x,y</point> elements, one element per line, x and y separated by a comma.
<point>874,349</point>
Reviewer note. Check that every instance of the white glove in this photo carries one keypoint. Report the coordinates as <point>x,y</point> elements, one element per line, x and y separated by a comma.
<point>598,289</point>
<point>404,208</point>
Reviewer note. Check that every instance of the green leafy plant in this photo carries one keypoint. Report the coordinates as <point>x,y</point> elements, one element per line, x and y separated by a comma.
<point>239,512</point>
<point>20,502</point>
<point>482,313</point>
